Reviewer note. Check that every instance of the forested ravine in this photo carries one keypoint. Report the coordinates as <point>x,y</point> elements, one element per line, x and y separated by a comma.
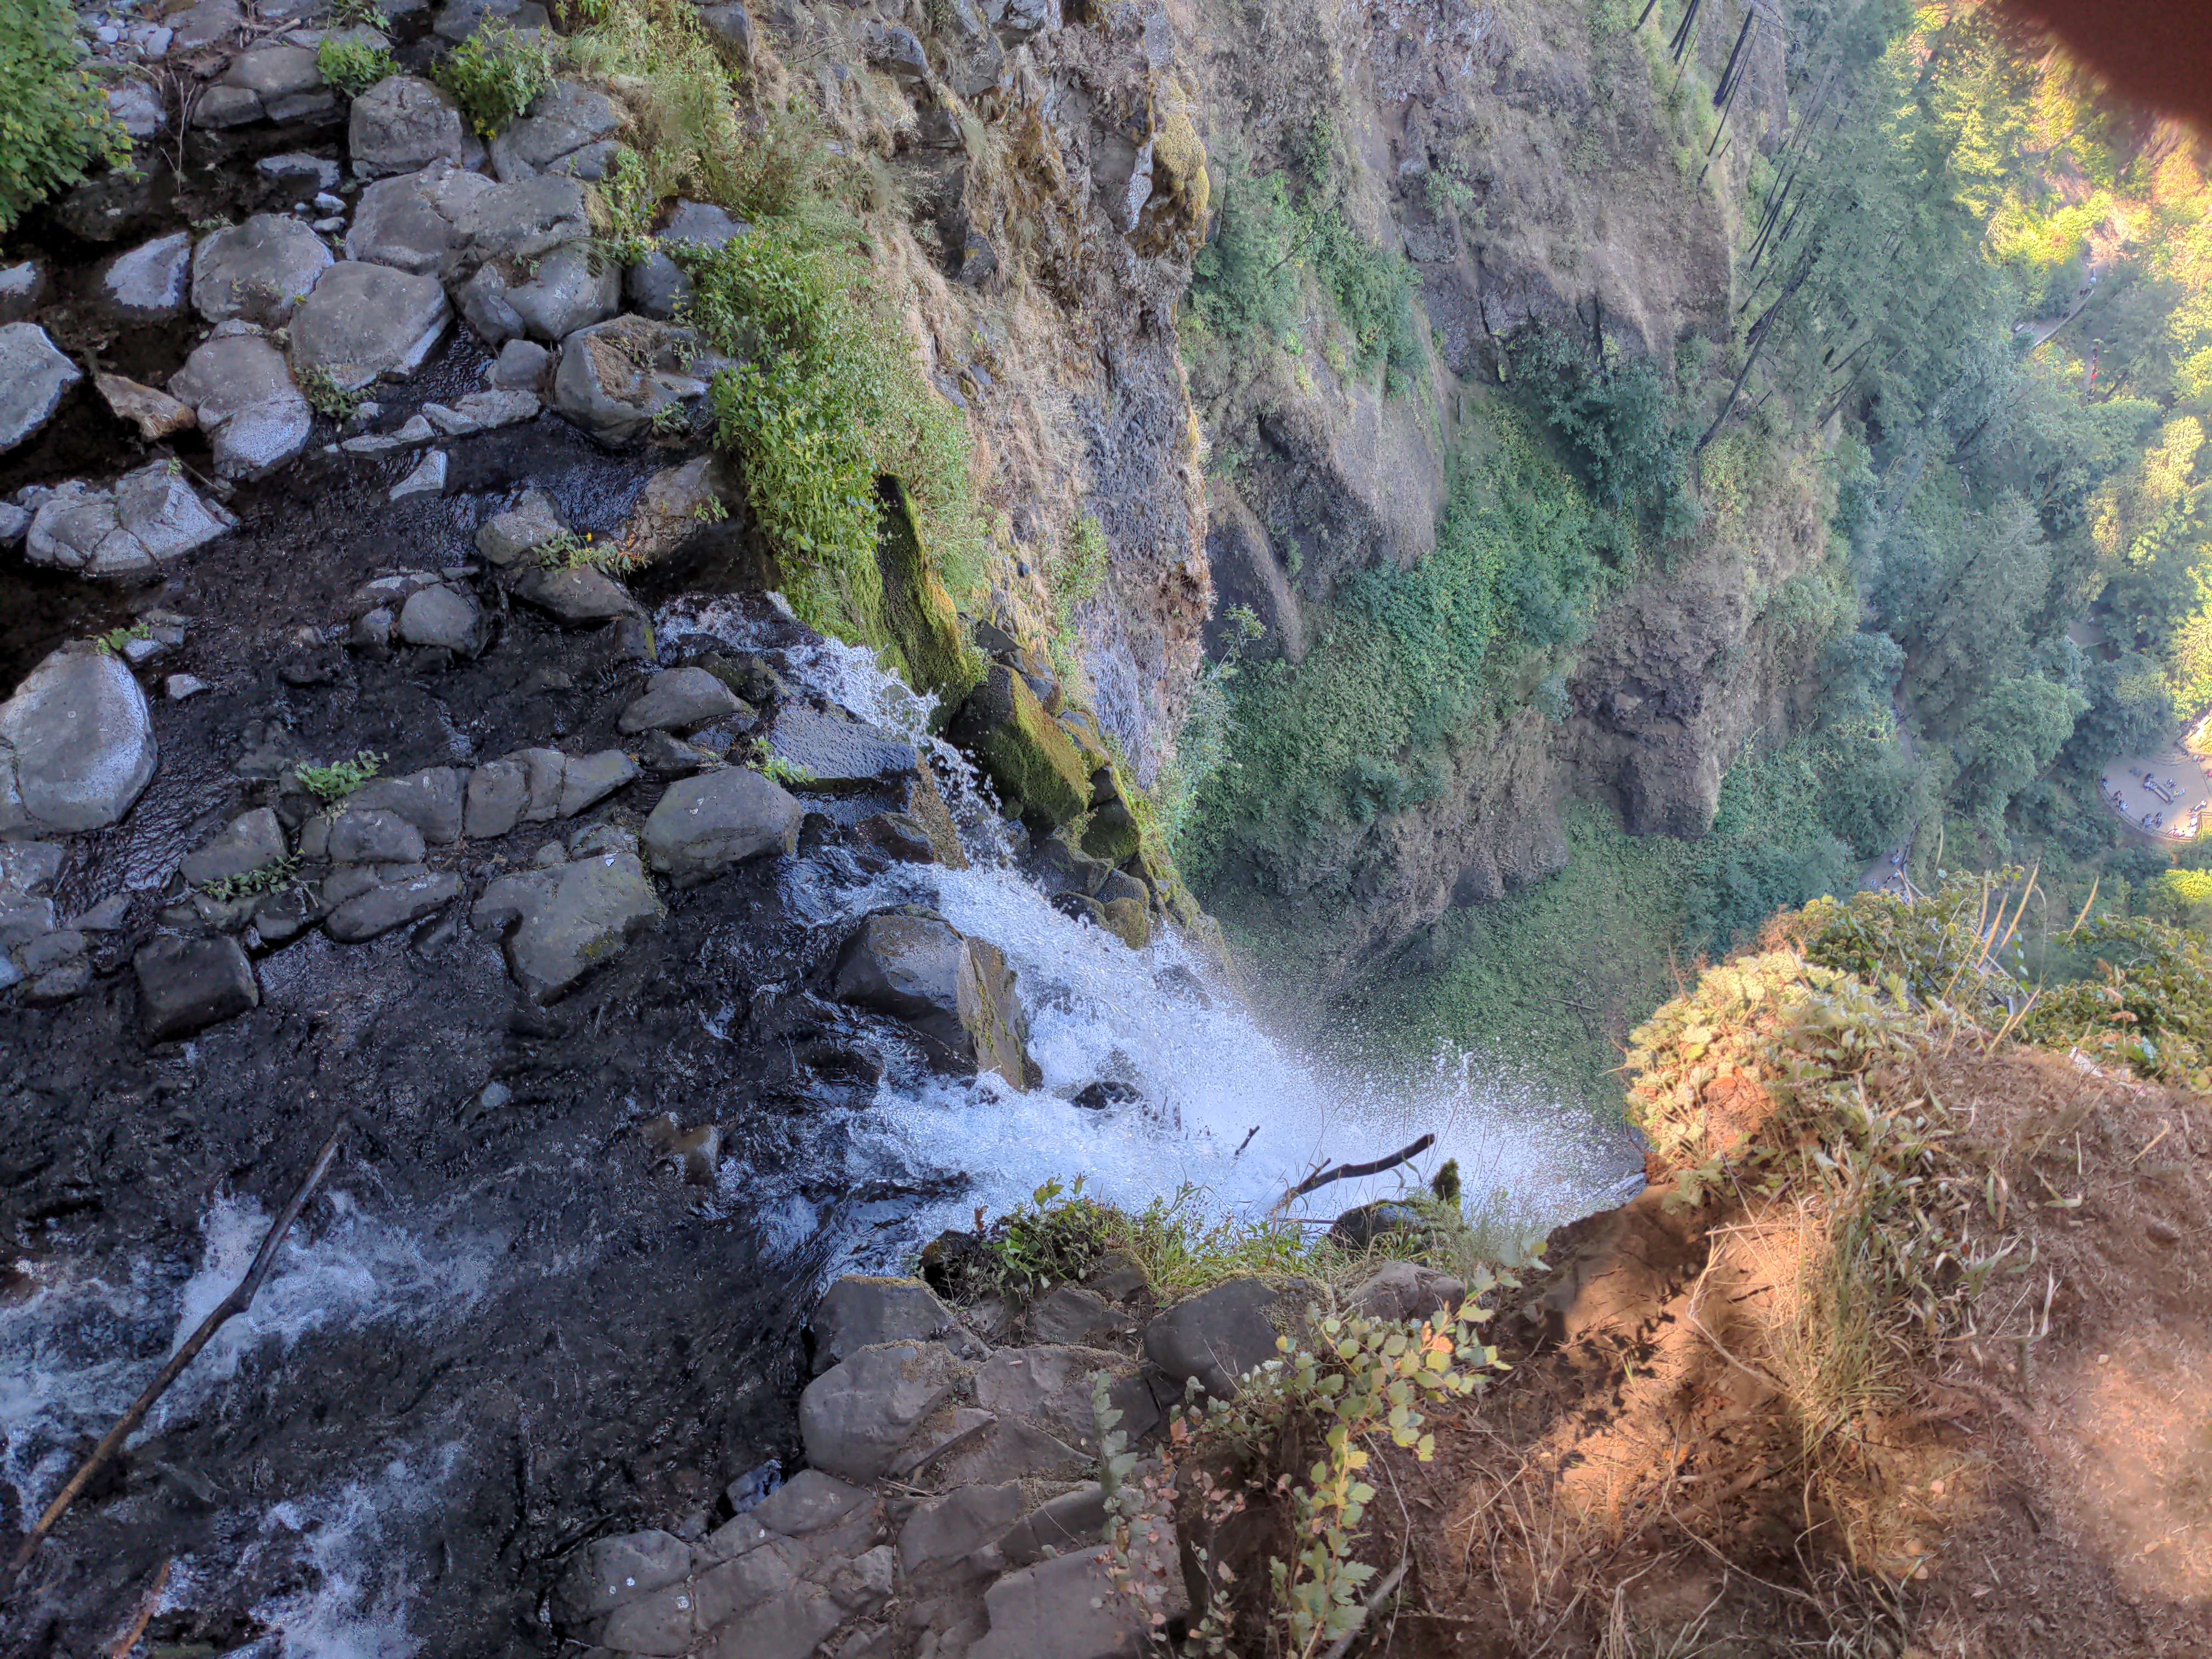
<point>910,718</point>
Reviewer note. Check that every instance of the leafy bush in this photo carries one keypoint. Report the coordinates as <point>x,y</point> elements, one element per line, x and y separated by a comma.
<point>1373,289</point>
<point>495,75</point>
<point>353,66</point>
<point>54,124</point>
<point>2149,1007</point>
<point>827,397</point>
<point>1623,422</point>
<point>1244,282</point>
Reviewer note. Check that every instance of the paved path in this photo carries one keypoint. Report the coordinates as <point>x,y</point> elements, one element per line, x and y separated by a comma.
<point>2162,795</point>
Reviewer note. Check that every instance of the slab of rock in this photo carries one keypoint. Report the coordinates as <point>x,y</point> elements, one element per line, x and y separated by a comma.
<point>678,699</point>
<point>520,366</point>
<point>1051,1386</point>
<point>587,780</point>
<point>855,1417</point>
<point>241,391</point>
<point>1071,1315</point>
<point>955,992</point>
<point>138,109</point>
<point>789,1626</point>
<point>246,844</point>
<point>258,270</point>
<point>76,743</point>
<point>676,501</point>
<point>155,414</point>
<point>1025,753</point>
<point>402,124</point>
<point>615,378</point>
<point>839,755</point>
<point>221,106</point>
<point>34,376</point>
<point>861,1310</point>
<point>567,116</point>
<point>568,290</point>
<point>444,615</point>
<point>397,223</point>
<point>1404,1290</point>
<point>482,411</point>
<point>1073,1521</point>
<point>404,894</point>
<point>275,73</point>
<point>943,1532</point>
<point>610,1572</point>
<point>736,1587</point>
<point>429,478</point>
<point>520,221</point>
<point>430,799</point>
<point>363,321</point>
<point>498,792</point>
<point>705,825</point>
<point>152,283</point>
<point>559,924</point>
<point>1063,1609</point>
<point>205,24</point>
<point>186,984</point>
<point>358,835</point>
<point>819,1507</point>
<point>150,517</point>
<point>1216,1336</point>
<point>524,528</point>
<point>984,1449</point>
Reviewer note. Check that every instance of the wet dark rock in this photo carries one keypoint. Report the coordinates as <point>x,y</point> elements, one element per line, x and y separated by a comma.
<point>956,1263</point>
<point>1106,1094</point>
<point>559,924</point>
<point>706,825</point>
<point>854,1418</point>
<point>34,376</point>
<point>956,992</point>
<point>247,843</point>
<point>587,780</point>
<point>363,322</point>
<point>258,270</point>
<point>221,106</point>
<point>1358,1227</point>
<point>610,1572</point>
<point>498,792</point>
<point>665,755</point>
<point>429,478</point>
<point>1129,920</point>
<point>679,699</point>
<point>186,984</point>
<point>76,745</point>
<point>861,1310</point>
<point>901,836</point>
<point>1216,1336</point>
<point>402,124</point>
<point>839,755</point>
<point>655,286</point>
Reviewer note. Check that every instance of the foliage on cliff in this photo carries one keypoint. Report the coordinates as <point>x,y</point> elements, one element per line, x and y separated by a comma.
<point>54,124</point>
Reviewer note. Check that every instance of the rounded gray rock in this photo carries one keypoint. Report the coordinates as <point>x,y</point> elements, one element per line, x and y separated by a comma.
<point>79,741</point>
<point>441,616</point>
<point>679,700</point>
<point>402,124</point>
<point>366,320</point>
<point>152,283</point>
<point>258,270</point>
<point>34,376</point>
<point>706,825</point>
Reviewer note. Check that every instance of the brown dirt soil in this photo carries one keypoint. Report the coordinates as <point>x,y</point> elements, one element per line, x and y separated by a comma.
<point>1641,1484</point>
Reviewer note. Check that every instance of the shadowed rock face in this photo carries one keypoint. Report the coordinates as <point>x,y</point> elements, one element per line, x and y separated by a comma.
<point>955,991</point>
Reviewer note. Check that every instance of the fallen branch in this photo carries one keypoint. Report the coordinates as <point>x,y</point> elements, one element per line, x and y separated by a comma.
<point>120,1647</point>
<point>1343,1643</point>
<point>1347,1171</point>
<point>229,1307</point>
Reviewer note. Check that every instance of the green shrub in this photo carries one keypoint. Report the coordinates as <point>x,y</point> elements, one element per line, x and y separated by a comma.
<point>1373,289</point>
<point>54,124</point>
<point>1623,422</point>
<point>1244,282</point>
<point>338,780</point>
<point>496,75</point>
<point>353,66</point>
<point>826,397</point>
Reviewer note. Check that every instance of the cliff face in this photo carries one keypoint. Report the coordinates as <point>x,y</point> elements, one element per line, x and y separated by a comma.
<point>1521,158</point>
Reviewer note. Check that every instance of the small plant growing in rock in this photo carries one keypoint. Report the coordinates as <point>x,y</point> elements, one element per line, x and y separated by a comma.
<point>111,642</point>
<point>353,66</point>
<point>265,878</point>
<point>356,13</point>
<point>670,419</point>
<point>495,75</point>
<point>338,780</point>
<point>710,511</point>
<point>568,551</point>
<point>326,395</point>
<point>766,761</point>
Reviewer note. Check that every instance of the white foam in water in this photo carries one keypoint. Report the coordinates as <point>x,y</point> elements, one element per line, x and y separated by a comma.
<point>1209,1076</point>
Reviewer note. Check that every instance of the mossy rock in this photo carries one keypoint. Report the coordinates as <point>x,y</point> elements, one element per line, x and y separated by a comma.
<point>1023,752</point>
<point>1112,835</point>
<point>918,613</point>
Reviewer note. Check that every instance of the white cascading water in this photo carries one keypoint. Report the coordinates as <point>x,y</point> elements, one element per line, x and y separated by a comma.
<point>1221,1105</point>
